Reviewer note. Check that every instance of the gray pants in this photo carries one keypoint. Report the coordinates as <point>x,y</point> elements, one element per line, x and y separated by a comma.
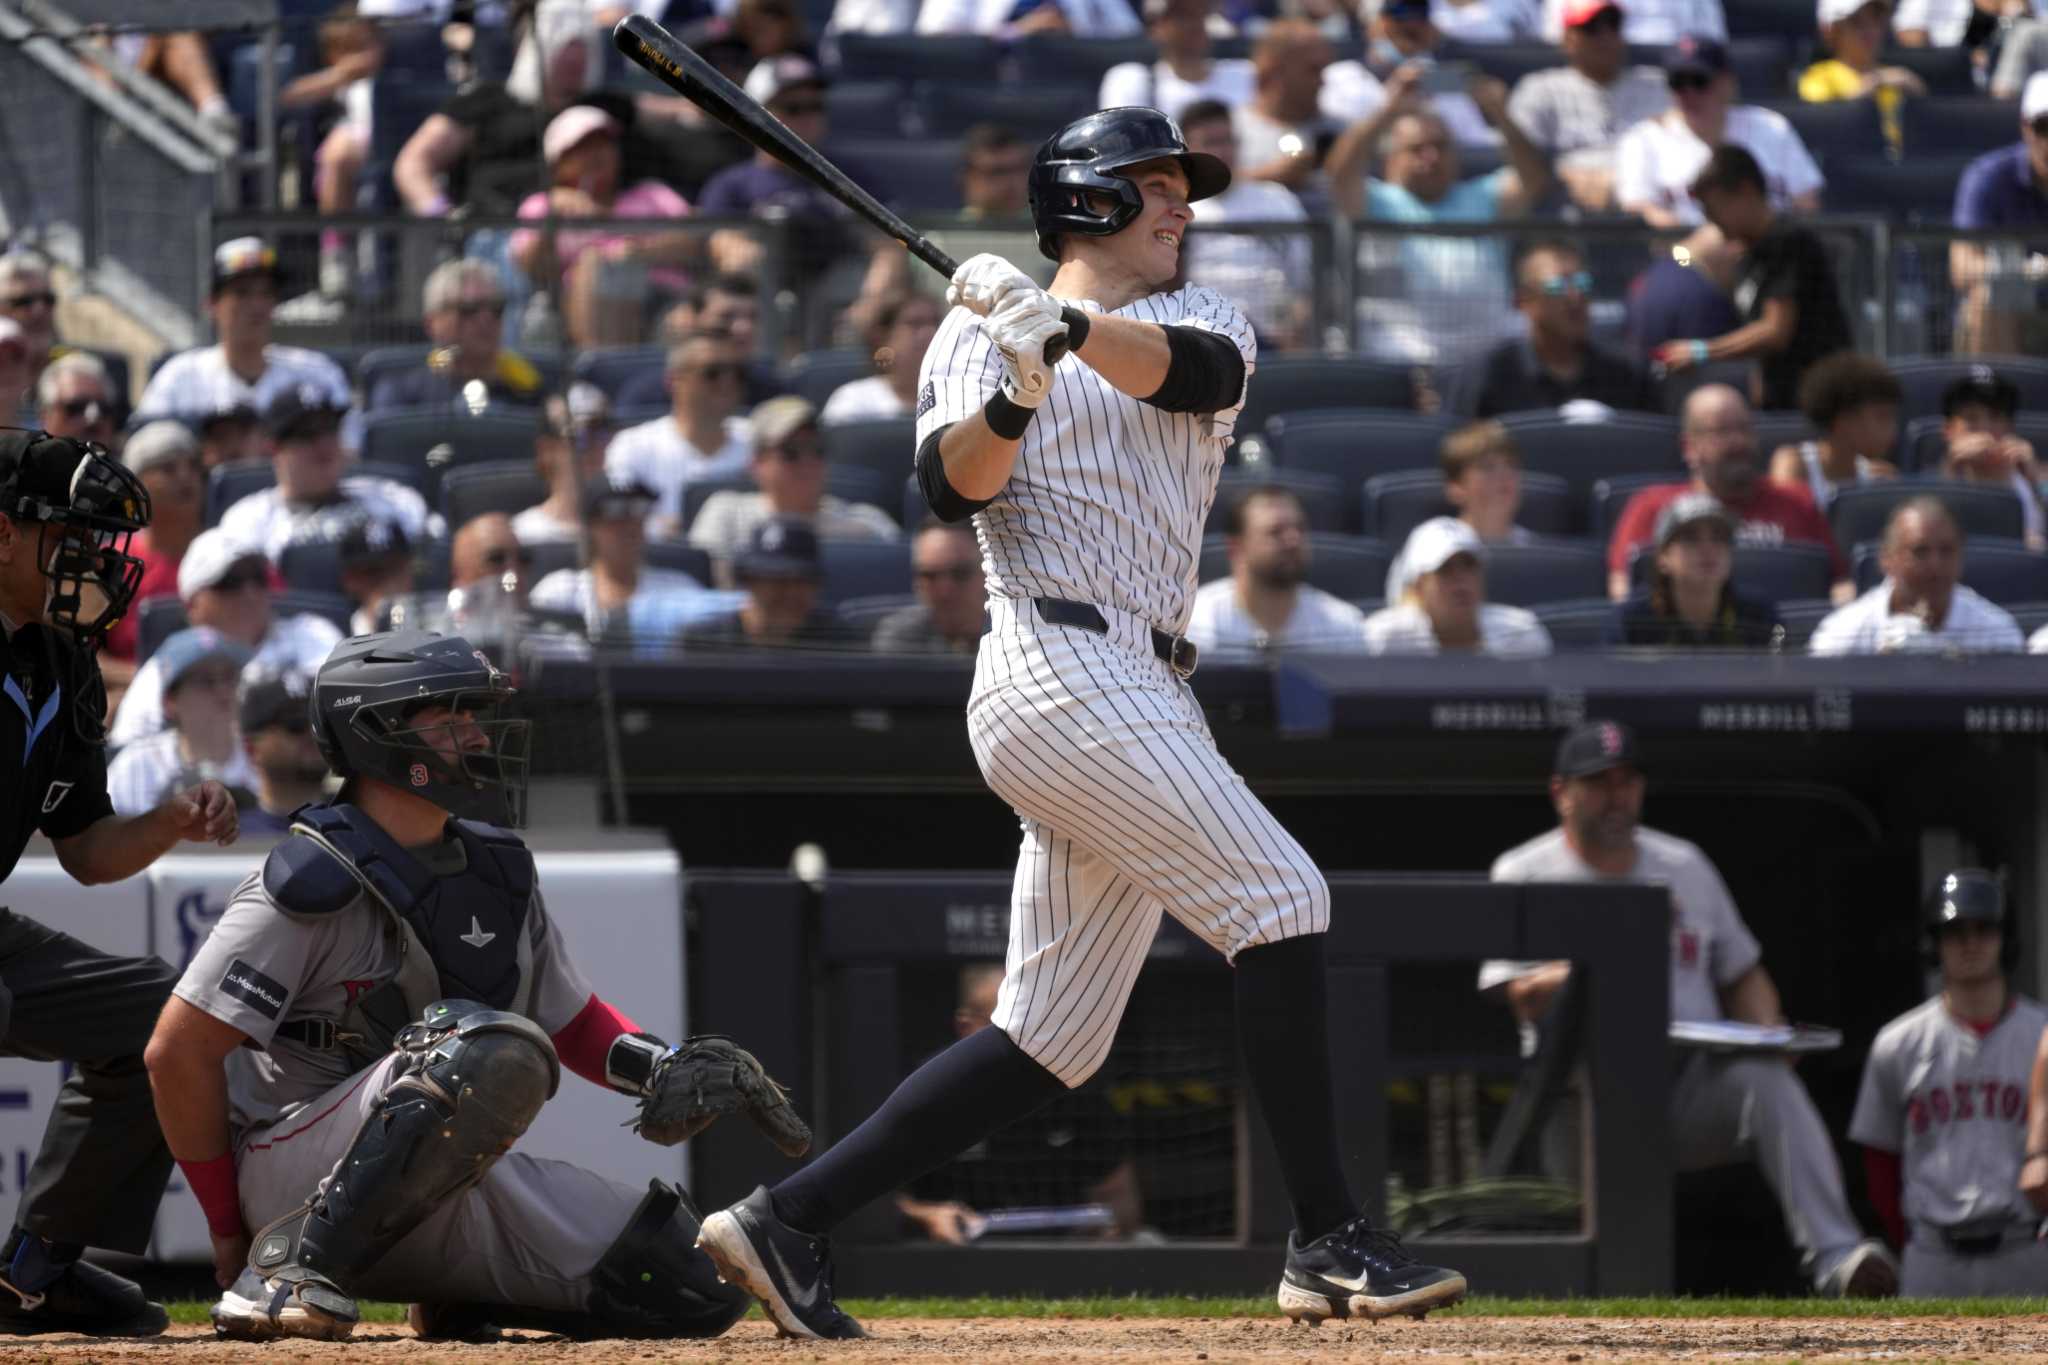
<point>1728,1109</point>
<point>1932,1271</point>
<point>529,1233</point>
<point>103,1164</point>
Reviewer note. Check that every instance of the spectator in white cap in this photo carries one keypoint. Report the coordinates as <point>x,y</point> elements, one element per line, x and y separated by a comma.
<point>1855,33</point>
<point>602,277</point>
<point>198,668</point>
<point>244,368</point>
<point>225,585</point>
<point>313,487</point>
<point>1445,609</point>
<point>165,457</point>
<point>789,478</point>
<point>17,372</point>
<point>1267,605</point>
<point>277,740</point>
<point>1922,606</point>
<point>576,431</point>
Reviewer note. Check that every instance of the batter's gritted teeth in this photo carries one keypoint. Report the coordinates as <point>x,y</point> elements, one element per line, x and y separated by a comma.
<point>1171,239</point>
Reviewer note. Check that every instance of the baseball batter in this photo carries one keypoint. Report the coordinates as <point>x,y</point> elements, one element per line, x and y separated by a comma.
<point>378,1016</point>
<point>1942,1113</point>
<point>1088,481</point>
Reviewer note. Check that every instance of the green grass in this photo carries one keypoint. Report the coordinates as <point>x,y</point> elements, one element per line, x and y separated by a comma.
<point>194,1312</point>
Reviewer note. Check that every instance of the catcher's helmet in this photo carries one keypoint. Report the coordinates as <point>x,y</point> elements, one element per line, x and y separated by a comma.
<point>1085,156</point>
<point>1971,895</point>
<point>363,700</point>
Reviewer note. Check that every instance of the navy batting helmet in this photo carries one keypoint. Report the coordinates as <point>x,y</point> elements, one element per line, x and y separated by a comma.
<point>1085,156</point>
<point>1970,895</point>
<point>363,702</point>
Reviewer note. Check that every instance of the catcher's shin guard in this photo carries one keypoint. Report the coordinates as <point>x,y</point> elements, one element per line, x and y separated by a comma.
<point>471,1081</point>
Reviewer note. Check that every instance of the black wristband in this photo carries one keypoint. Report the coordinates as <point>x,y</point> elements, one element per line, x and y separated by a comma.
<point>1077,326</point>
<point>1004,418</point>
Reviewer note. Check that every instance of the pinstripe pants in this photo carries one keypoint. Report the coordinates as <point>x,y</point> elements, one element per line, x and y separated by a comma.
<point>1128,810</point>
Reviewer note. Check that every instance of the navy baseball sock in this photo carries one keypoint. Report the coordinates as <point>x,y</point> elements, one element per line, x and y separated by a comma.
<point>944,1107</point>
<point>1283,1029</point>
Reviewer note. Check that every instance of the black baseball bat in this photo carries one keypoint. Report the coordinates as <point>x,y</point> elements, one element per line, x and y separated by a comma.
<point>675,65</point>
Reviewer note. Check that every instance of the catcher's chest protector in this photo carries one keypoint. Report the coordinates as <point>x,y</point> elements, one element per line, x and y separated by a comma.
<point>471,924</point>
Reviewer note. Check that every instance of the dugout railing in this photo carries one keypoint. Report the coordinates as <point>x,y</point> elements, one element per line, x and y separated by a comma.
<point>814,977</point>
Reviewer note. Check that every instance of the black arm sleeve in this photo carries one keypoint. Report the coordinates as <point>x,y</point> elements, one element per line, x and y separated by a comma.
<point>1204,373</point>
<point>939,494</point>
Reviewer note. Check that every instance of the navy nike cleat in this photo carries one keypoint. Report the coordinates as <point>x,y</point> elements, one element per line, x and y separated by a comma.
<point>790,1272</point>
<point>1361,1271</point>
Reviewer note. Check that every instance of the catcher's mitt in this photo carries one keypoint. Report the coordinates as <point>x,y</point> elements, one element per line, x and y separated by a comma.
<point>709,1075</point>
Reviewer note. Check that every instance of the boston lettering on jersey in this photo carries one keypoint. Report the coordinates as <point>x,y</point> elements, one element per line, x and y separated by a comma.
<point>1963,1101</point>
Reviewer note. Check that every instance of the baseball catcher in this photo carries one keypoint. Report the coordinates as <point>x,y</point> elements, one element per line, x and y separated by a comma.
<point>379,1015</point>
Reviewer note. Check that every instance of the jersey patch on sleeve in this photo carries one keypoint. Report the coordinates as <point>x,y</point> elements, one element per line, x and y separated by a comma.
<point>253,989</point>
<point>927,399</point>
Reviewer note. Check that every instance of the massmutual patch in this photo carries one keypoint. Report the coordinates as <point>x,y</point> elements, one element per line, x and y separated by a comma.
<point>253,989</point>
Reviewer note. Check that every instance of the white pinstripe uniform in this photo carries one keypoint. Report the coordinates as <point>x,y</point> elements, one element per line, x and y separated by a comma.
<point>1096,743</point>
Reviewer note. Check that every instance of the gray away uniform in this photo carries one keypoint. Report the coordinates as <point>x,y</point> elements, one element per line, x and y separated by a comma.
<point>1953,1106</point>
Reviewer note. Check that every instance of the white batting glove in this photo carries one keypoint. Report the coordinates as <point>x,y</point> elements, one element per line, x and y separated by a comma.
<point>985,283</point>
<point>1020,330</point>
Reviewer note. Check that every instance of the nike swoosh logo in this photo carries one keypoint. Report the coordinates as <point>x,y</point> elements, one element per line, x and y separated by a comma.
<point>809,1297</point>
<point>476,937</point>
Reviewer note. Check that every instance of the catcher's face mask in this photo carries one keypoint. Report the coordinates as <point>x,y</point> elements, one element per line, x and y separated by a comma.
<point>83,543</point>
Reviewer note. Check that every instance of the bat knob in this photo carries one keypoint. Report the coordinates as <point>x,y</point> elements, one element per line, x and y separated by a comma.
<point>1056,350</point>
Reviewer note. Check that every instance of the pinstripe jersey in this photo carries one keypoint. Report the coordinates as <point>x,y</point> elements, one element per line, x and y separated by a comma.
<point>1107,499</point>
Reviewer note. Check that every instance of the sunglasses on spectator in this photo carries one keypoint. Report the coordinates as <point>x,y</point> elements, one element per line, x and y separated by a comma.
<point>470,308</point>
<point>1687,82</point>
<point>235,580</point>
<point>959,573</point>
<point>504,556</point>
<point>1557,286</point>
<point>46,298</point>
<point>791,454</point>
<point>91,409</point>
<point>2040,126</point>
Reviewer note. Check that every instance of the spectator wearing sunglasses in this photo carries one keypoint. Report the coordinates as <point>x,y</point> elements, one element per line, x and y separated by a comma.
<point>225,584</point>
<point>465,307</point>
<point>789,479</point>
<point>165,457</point>
<point>793,89</point>
<point>950,613</point>
<point>2002,303</point>
<point>199,668</point>
<point>1576,113</point>
<point>575,432</point>
<point>700,437</point>
<point>75,398</point>
<point>1557,362</point>
<point>617,594</point>
<point>277,739</point>
<point>27,300</point>
<point>1658,159</point>
<point>244,368</point>
<point>16,378</point>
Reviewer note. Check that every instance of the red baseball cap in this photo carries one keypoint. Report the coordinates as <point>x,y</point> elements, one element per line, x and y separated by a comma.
<point>1585,11</point>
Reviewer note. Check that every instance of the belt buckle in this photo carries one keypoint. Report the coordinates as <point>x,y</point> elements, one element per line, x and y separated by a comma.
<point>1184,656</point>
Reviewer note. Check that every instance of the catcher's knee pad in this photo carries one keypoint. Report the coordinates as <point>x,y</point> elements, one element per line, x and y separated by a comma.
<point>470,1081</point>
<point>653,1282</point>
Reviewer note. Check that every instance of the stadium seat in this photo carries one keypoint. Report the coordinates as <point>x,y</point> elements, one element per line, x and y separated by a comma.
<point>1799,616</point>
<point>1788,20</point>
<point>611,367</point>
<point>1833,129</point>
<point>228,484</point>
<point>1920,189</point>
<point>473,490</point>
<point>1033,110</point>
<point>1611,495</point>
<point>311,566</point>
<point>329,606</point>
<point>867,108</point>
<point>917,56</point>
<point>1327,501</point>
<point>2002,570</point>
<point>1396,504</point>
<point>1354,444</point>
<point>1288,384</point>
<point>430,564</point>
<point>1504,61</point>
<point>1549,571</point>
<point>904,173</point>
<point>1959,125</point>
<point>1577,624</point>
<point>1924,377</point>
<point>1924,447</point>
<point>861,615</point>
<point>552,555</point>
<point>1763,573</point>
<point>674,554</point>
<point>434,442</point>
<point>814,374</point>
<point>1583,453</point>
<point>699,492</point>
<point>1944,70</point>
<point>1860,513</point>
<point>863,568</point>
<point>852,483</point>
<point>1779,428</point>
<point>1059,58</point>
<point>2031,616</point>
<point>156,620</point>
<point>1350,567</point>
<point>885,447</point>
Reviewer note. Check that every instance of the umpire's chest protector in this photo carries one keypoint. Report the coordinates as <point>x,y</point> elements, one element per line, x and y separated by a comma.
<point>472,923</point>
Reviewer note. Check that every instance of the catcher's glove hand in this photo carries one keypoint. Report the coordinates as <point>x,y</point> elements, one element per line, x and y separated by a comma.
<point>703,1077</point>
